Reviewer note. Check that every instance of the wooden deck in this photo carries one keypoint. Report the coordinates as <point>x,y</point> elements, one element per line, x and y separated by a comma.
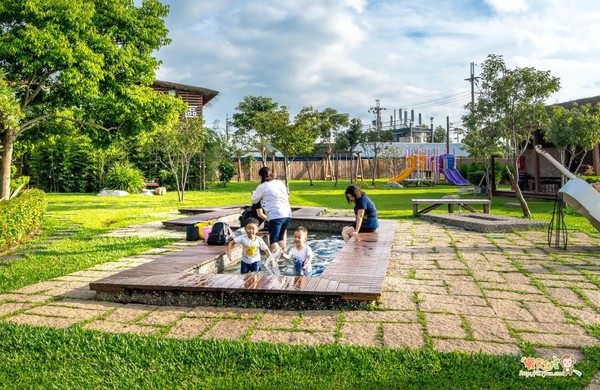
<point>229,214</point>
<point>356,274</point>
<point>435,203</point>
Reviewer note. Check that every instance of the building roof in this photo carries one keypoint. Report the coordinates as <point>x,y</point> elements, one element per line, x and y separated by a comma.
<point>207,94</point>
<point>580,102</point>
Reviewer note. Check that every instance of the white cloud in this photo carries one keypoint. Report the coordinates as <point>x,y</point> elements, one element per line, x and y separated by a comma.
<point>347,53</point>
<point>507,6</point>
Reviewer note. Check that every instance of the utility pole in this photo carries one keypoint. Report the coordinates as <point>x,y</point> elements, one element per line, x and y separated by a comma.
<point>472,81</point>
<point>377,111</point>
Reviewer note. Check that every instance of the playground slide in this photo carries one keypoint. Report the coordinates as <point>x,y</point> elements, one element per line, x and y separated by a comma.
<point>454,177</point>
<point>403,175</point>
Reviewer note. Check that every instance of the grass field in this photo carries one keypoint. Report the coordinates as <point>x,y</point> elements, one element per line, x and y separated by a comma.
<point>78,359</point>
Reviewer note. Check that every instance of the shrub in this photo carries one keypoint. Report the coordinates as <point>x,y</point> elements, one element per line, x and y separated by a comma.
<point>591,179</point>
<point>125,177</point>
<point>463,169</point>
<point>475,178</point>
<point>64,163</point>
<point>21,217</point>
<point>226,172</point>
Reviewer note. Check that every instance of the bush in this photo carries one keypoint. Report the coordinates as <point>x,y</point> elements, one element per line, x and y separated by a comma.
<point>226,172</point>
<point>475,178</point>
<point>463,169</point>
<point>21,217</point>
<point>591,179</point>
<point>125,177</point>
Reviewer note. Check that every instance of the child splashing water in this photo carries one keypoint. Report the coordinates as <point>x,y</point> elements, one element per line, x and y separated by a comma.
<point>252,245</point>
<point>300,253</point>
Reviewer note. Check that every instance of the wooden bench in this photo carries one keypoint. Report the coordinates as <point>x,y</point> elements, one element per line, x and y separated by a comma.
<point>152,183</point>
<point>435,203</point>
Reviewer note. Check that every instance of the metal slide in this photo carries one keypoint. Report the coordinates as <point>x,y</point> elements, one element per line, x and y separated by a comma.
<point>577,193</point>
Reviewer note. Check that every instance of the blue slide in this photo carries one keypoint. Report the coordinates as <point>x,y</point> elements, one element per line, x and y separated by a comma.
<point>454,177</point>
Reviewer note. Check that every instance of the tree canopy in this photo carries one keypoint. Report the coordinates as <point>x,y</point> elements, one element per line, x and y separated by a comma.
<point>83,61</point>
<point>510,108</point>
<point>575,131</point>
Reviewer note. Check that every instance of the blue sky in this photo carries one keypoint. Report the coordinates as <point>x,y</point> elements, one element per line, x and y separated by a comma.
<point>347,53</point>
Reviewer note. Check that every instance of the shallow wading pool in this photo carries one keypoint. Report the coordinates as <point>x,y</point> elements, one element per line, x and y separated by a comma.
<point>353,278</point>
<point>325,246</point>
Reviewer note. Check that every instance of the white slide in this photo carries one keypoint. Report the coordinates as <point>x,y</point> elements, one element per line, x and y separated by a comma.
<point>577,193</point>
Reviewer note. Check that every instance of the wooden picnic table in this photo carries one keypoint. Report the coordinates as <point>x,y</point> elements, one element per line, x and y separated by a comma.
<point>435,203</point>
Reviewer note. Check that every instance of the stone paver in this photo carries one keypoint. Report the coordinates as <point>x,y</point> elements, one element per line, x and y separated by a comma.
<point>289,337</point>
<point>229,329</point>
<point>188,328</point>
<point>359,333</point>
<point>476,346</point>
<point>445,325</point>
<point>457,290</point>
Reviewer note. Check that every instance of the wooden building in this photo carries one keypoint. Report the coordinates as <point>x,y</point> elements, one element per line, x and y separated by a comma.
<point>539,178</point>
<point>195,97</point>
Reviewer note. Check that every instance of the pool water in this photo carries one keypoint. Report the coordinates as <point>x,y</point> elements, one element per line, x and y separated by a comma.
<point>325,246</point>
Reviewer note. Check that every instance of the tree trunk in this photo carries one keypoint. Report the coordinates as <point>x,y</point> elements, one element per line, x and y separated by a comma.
<point>518,193</point>
<point>7,142</point>
<point>308,172</point>
<point>285,172</point>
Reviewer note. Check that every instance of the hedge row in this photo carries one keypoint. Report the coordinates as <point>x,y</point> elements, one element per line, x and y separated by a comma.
<point>21,217</point>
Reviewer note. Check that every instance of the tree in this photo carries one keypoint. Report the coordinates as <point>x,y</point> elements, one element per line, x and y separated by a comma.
<point>252,123</point>
<point>349,139</point>
<point>10,115</point>
<point>298,138</point>
<point>373,143</point>
<point>510,107</point>
<point>330,123</point>
<point>175,147</point>
<point>439,135</point>
<point>575,131</point>
<point>84,61</point>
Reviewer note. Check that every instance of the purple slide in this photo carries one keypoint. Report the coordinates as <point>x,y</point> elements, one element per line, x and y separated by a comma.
<point>454,177</point>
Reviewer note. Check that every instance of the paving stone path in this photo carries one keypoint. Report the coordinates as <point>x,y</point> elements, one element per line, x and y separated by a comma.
<point>446,288</point>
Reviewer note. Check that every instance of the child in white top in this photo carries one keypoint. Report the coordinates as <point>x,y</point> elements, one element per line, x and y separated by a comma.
<point>252,244</point>
<point>301,253</point>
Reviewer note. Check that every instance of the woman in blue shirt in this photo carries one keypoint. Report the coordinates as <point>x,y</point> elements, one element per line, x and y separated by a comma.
<point>364,210</point>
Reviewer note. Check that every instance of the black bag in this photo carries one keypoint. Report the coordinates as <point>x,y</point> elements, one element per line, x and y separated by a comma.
<point>221,234</point>
<point>192,233</point>
<point>250,212</point>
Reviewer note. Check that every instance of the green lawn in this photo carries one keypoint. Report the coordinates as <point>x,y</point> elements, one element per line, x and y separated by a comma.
<point>78,359</point>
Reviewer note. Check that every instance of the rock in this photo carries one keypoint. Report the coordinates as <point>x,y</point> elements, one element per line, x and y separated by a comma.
<point>112,193</point>
<point>160,191</point>
<point>147,192</point>
<point>393,184</point>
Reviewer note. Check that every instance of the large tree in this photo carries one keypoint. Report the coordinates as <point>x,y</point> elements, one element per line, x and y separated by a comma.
<point>510,107</point>
<point>83,61</point>
<point>252,123</point>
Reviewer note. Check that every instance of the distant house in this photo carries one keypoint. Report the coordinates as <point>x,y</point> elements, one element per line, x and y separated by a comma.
<point>195,97</point>
<point>539,176</point>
